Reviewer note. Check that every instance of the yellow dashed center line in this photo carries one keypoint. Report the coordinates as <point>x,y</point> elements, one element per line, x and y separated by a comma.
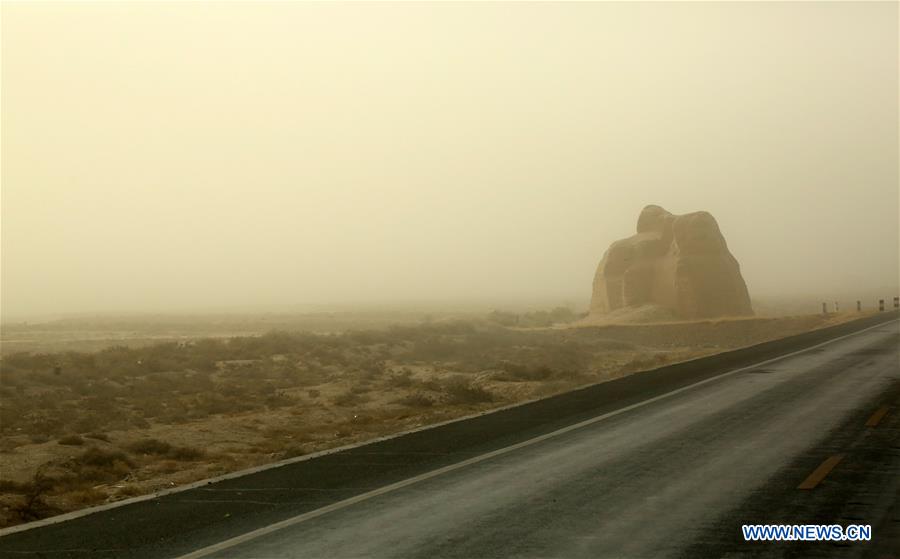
<point>877,416</point>
<point>819,473</point>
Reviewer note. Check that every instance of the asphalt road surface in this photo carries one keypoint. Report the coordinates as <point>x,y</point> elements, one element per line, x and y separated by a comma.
<point>672,477</point>
<point>667,463</point>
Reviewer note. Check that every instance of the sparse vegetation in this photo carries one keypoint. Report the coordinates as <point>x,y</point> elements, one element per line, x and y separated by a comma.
<point>415,400</point>
<point>535,319</point>
<point>460,391</point>
<point>128,420</point>
<point>166,450</point>
<point>71,440</point>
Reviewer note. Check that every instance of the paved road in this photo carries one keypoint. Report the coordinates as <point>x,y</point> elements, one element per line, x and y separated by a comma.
<point>667,478</point>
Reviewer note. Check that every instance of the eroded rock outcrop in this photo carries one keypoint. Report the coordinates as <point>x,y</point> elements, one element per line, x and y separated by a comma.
<point>677,262</point>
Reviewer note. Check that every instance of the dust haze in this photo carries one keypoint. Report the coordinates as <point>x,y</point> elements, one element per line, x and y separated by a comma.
<point>208,156</point>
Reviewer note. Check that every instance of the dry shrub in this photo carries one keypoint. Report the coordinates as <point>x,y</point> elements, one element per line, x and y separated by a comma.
<point>415,400</point>
<point>361,388</point>
<point>85,497</point>
<point>10,486</point>
<point>296,450</point>
<point>71,440</point>
<point>89,422</point>
<point>107,459</point>
<point>150,446</point>
<point>32,505</point>
<point>26,509</point>
<point>139,422</point>
<point>96,466</point>
<point>402,379</point>
<point>186,454</point>
<point>350,398</point>
<point>371,369</point>
<point>515,372</point>
<point>279,400</point>
<point>167,466</point>
<point>460,391</point>
<point>646,362</point>
<point>157,447</point>
<point>130,491</point>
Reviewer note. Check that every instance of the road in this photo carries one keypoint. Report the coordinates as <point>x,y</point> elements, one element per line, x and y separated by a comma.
<point>657,480</point>
<point>667,463</point>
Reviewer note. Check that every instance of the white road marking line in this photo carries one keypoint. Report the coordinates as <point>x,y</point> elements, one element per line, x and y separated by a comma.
<point>254,534</point>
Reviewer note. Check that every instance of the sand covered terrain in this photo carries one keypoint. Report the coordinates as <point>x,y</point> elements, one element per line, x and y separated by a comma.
<point>84,428</point>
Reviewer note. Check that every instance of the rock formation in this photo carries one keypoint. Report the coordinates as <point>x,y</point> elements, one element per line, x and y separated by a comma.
<point>678,262</point>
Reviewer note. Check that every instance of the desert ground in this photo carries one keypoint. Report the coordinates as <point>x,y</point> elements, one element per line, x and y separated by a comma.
<point>93,413</point>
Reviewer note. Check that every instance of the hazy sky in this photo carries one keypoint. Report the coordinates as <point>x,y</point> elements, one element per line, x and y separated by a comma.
<point>195,156</point>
